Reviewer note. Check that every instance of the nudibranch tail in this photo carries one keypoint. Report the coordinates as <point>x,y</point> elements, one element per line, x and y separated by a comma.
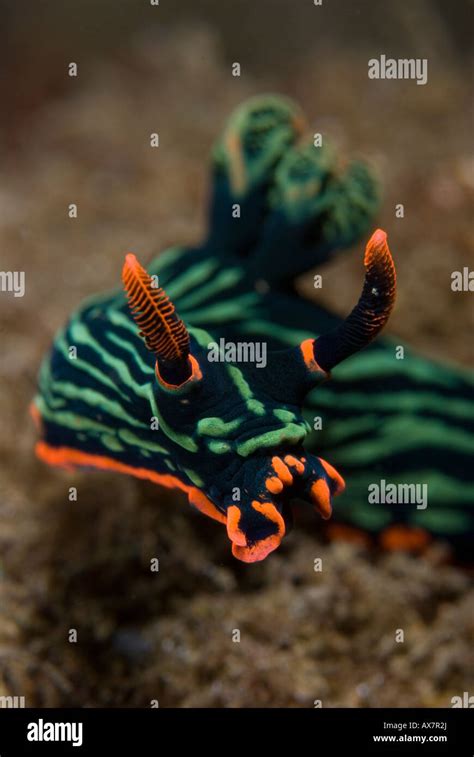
<point>372,311</point>
<point>164,333</point>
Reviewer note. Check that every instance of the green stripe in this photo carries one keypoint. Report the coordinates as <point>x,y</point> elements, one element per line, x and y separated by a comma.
<point>442,520</point>
<point>381,365</point>
<point>397,435</point>
<point>394,402</point>
<point>194,477</point>
<point>202,337</point>
<point>224,280</point>
<point>284,415</point>
<point>62,346</point>
<point>182,440</point>
<point>218,447</point>
<point>231,310</point>
<point>68,419</point>
<point>216,427</point>
<point>292,434</point>
<point>129,438</point>
<point>125,345</point>
<point>337,431</point>
<point>111,442</point>
<point>239,381</point>
<point>290,336</point>
<point>372,518</point>
<point>81,334</point>
<point>165,259</point>
<point>190,278</point>
<point>120,319</point>
<point>94,399</point>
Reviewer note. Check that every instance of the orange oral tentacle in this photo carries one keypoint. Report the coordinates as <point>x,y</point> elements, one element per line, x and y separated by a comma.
<point>334,476</point>
<point>294,463</point>
<point>236,535</point>
<point>282,471</point>
<point>321,498</point>
<point>260,549</point>
<point>270,512</point>
<point>274,485</point>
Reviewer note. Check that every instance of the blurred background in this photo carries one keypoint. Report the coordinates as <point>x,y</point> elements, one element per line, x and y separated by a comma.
<point>142,636</point>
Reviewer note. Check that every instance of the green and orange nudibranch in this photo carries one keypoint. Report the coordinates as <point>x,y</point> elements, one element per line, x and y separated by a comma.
<point>231,437</point>
<point>140,396</point>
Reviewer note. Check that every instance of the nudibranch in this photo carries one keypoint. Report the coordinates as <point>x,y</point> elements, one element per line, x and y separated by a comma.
<point>128,387</point>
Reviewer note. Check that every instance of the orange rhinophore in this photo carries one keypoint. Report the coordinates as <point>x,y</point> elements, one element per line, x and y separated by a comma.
<point>165,334</point>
